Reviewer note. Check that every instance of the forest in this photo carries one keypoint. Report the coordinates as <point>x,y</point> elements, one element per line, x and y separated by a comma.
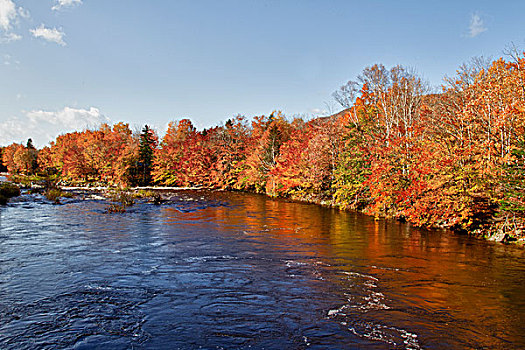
<point>452,159</point>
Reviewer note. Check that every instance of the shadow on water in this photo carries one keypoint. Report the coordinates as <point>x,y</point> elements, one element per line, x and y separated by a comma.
<point>218,269</point>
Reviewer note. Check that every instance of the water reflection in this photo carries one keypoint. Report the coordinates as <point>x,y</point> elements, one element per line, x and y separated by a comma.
<point>217,269</point>
<point>470,289</point>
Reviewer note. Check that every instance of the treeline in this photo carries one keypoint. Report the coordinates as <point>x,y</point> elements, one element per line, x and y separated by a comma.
<point>453,159</point>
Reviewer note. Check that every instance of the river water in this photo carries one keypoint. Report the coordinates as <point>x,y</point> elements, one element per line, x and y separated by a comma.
<point>218,270</point>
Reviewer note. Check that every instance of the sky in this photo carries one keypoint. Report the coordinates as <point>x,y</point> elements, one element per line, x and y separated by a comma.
<point>72,64</point>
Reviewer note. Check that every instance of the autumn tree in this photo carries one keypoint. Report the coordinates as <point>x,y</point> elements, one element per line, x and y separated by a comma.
<point>45,162</point>
<point>170,161</point>
<point>354,167</point>
<point>102,155</point>
<point>268,135</point>
<point>8,158</point>
<point>229,144</point>
<point>290,175</point>
<point>3,168</point>
<point>386,117</point>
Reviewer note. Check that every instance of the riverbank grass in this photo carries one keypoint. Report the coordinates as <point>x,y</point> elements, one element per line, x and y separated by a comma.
<point>54,194</point>
<point>121,201</point>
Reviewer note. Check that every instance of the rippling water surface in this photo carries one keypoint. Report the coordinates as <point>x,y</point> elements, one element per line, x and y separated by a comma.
<point>235,271</point>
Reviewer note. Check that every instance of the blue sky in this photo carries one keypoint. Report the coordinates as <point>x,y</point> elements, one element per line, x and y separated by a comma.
<point>71,64</point>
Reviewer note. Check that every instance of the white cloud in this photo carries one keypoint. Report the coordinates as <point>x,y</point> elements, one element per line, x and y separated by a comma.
<point>9,37</point>
<point>45,126</point>
<point>476,26</point>
<point>60,4</point>
<point>23,13</point>
<point>49,34</point>
<point>8,14</point>
<point>7,60</point>
<point>10,61</point>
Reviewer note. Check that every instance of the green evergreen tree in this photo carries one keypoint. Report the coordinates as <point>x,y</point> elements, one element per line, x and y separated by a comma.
<point>30,144</point>
<point>146,146</point>
<point>32,156</point>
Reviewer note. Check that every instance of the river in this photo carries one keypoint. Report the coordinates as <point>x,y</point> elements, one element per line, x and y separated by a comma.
<point>218,270</point>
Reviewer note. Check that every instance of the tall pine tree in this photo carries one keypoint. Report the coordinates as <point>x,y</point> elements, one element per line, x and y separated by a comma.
<point>146,145</point>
